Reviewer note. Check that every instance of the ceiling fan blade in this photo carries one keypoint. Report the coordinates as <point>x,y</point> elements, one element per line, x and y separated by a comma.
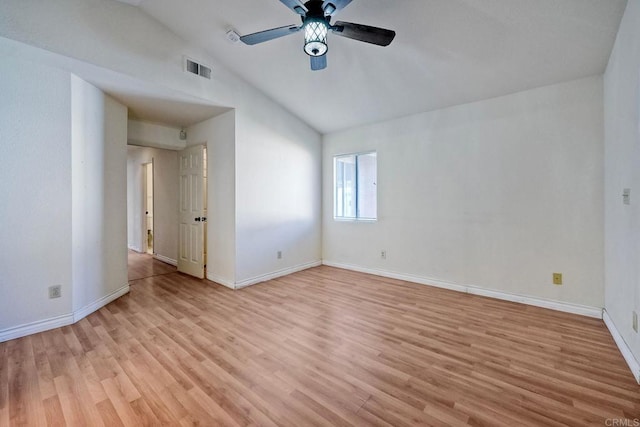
<point>318,62</point>
<point>265,36</point>
<point>331,7</point>
<point>364,33</point>
<point>296,5</point>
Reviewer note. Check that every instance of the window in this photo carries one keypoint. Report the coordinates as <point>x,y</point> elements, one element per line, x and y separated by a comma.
<point>355,191</point>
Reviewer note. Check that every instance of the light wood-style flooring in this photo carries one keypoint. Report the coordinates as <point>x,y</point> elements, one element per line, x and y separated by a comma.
<point>322,347</point>
<point>143,265</point>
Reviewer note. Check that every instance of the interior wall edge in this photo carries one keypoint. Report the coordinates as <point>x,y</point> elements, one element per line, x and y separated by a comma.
<point>632,362</point>
<point>277,273</point>
<point>221,281</point>
<point>43,325</point>
<point>99,303</point>
<point>166,260</point>
<point>36,327</point>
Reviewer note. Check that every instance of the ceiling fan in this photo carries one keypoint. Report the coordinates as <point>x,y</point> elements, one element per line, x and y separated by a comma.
<point>316,22</point>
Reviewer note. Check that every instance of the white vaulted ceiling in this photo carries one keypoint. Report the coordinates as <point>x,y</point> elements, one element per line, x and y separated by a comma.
<point>446,52</point>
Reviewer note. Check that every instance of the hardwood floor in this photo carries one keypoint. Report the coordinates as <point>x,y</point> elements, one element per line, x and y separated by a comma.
<point>144,265</point>
<point>320,347</point>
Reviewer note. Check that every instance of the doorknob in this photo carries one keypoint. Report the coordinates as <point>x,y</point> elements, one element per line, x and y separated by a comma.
<point>198,219</point>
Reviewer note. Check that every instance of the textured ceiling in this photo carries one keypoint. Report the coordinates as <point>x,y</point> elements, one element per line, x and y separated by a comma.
<point>446,52</point>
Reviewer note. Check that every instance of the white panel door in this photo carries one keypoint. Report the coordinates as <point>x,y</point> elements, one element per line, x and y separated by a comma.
<point>192,212</point>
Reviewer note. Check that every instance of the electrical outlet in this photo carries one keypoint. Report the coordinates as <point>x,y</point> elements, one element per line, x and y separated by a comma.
<point>383,254</point>
<point>55,291</point>
<point>557,278</point>
<point>279,254</point>
<point>634,323</point>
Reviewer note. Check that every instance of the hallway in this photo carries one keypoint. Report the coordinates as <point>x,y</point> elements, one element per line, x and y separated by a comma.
<point>142,266</point>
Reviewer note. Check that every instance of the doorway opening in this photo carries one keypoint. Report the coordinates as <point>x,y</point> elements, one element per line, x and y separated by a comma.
<point>147,179</point>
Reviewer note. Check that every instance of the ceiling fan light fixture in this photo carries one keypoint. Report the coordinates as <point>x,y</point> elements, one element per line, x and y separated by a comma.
<point>315,37</point>
<point>316,18</point>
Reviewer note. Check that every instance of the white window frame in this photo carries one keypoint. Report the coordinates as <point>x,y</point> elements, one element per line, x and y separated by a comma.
<point>335,188</point>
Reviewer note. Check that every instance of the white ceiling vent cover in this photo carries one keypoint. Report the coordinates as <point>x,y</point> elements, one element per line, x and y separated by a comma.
<point>193,67</point>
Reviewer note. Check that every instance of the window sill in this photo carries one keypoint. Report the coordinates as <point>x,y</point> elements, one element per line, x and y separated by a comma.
<point>339,219</point>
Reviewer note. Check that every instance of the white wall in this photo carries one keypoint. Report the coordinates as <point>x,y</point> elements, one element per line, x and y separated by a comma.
<point>218,134</point>
<point>154,135</point>
<point>35,196</point>
<point>99,136</point>
<point>278,193</point>
<point>622,170</point>
<point>497,194</point>
<point>165,192</point>
<point>264,193</point>
<point>118,37</point>
<point>63,190</point>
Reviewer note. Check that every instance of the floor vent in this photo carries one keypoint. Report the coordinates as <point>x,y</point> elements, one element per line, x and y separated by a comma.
<point>191,66</point>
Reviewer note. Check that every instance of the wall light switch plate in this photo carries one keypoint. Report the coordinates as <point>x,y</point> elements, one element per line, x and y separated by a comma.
<point>626,196</point>
<point>634,323</point>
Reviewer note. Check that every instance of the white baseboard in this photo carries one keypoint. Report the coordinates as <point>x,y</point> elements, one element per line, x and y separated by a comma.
<point>166,260</point>
<point>582,310</point>
<point>60,321</point>
<point>35,327</point>
<point>96,305</point>
<point>221,281</point>
<point>633,363</point>
<point>477,290</point>
<point>264,277</point>
<point>276,274</point>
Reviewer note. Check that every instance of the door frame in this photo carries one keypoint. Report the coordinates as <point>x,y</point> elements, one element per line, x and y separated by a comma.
<point>143,221</point>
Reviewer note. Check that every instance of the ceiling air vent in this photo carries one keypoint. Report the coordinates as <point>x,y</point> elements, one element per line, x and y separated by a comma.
<point>191,66</point>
